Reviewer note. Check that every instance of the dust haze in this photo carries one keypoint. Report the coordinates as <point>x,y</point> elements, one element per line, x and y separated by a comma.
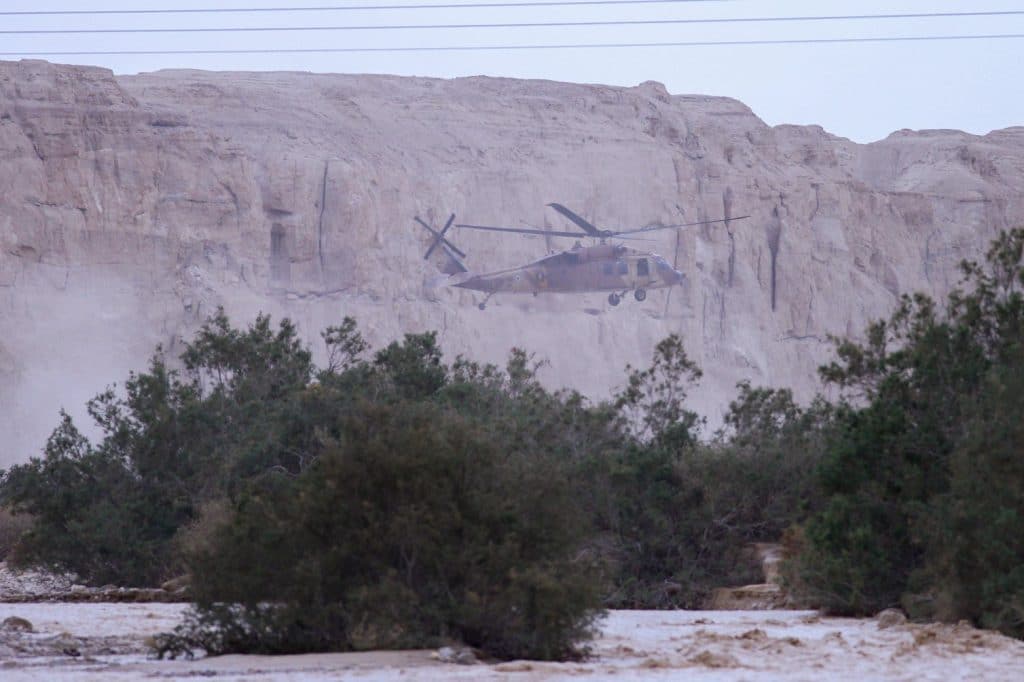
<point>135,205</point>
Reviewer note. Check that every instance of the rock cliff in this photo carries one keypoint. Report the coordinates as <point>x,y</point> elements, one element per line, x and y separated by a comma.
<point>131,206</point>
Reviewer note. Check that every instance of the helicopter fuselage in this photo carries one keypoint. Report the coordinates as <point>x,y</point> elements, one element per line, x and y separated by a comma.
<point>604,267</point>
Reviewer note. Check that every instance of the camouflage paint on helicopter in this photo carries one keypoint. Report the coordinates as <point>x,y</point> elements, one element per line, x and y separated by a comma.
<point>603,267</point>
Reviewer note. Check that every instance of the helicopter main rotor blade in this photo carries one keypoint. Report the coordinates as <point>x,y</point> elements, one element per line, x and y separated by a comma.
<point>523,230</point>
<point>653,228</point>
<point>633,239</point>
<point>591,231</point>
<point>579,221</point>
<point>434,232</point>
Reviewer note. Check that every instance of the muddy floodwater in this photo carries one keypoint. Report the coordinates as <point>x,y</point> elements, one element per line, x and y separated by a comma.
<point>85,641</point>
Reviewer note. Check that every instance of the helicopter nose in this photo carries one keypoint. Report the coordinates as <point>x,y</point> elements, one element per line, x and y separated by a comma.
<point>677,277</point>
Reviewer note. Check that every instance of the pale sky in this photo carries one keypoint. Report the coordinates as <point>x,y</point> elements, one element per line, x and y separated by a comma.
<point>862,91</point>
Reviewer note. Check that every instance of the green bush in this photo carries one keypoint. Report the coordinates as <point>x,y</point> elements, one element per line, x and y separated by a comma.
<point>109,512</point>
<point>684,513</point>
<point>414,526</point>
<point>389,502</point>
<point>89,514</point>
<point>975,534</point>
<point>12,527</point>
<point>923,480</point>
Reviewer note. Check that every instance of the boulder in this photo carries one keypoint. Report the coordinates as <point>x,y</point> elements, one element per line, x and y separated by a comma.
<point>459,655</point>
<point>178,585</point>
<point>891,618</point>
<point>16,624</point>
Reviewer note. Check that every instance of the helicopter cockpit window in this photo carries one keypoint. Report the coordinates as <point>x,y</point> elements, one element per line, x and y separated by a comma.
<point>642,268</point>
<point>572,258</point>
<point>623,267</point>
<point>608,268</point>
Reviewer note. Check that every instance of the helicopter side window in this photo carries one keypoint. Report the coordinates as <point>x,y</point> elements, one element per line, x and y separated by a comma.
<point>623,267</point>
<point>642,268</point>
<point>572,258</point>
<point>608,268</point>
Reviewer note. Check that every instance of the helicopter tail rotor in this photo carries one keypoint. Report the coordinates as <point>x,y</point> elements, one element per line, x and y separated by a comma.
<point>439,236</point>
<point>453,263</point>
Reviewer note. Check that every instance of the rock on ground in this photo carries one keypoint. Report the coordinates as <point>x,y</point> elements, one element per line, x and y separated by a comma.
<point>38,585</point>
<point>31,582</point>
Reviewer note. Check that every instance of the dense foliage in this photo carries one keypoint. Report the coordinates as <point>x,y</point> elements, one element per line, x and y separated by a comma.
<point>173,441</point>
<point>683,513</point>
<point>437,503</point>
<point>411,526</point>
<point>924,479</point>
<point>392,499</point>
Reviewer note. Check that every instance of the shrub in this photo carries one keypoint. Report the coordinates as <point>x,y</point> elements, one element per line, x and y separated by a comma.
<point>109,512</point>
<point>89,514</point>
<point>12,527</point>
<point>413,526</point>
<point>975,535</point>
<point>922,481</point>
<point>687,512</point>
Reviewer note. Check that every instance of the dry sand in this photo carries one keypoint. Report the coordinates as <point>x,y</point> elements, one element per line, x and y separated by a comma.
<point>647,645</point>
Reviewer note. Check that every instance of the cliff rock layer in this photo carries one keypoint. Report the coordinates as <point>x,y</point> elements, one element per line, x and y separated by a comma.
<point>131,206</point>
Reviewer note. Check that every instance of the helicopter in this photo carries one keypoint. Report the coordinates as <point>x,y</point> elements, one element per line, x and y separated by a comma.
<point>615,268</point>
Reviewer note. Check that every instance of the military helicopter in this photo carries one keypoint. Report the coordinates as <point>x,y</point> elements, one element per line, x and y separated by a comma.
<point>616,268</point>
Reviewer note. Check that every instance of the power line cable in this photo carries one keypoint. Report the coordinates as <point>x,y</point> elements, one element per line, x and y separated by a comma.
<point>346,8</point>
<point>471,48</point>
<point>533,24</point>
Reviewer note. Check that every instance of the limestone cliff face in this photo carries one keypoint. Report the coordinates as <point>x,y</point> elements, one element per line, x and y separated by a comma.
<point>131,207</point>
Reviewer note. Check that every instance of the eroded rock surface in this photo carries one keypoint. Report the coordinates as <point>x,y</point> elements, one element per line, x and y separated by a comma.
<point>131,206</point>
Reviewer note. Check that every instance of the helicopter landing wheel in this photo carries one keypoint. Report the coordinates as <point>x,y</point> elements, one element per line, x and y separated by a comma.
<point>614,299</point>
<point>482,306</point>
<point>640,294</point>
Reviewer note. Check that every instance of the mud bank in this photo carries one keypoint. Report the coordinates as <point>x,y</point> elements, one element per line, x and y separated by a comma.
<point>633,645</point>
